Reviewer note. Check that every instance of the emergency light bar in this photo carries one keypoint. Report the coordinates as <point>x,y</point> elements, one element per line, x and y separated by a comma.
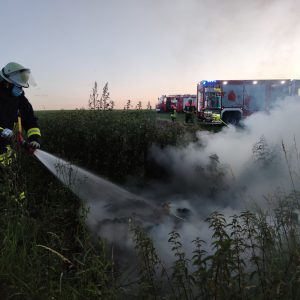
<point>208,82</point>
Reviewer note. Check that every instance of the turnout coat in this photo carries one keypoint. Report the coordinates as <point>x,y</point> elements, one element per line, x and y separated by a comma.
<point>10,108</point>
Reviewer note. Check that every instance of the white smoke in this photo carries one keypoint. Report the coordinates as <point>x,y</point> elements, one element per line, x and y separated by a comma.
<point>231,150</point>
<point>230,171</point>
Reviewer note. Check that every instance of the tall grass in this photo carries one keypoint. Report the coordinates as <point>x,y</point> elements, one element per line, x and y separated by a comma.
<point>251,257</point>
<point>47,251</point>
<point>113,143</point>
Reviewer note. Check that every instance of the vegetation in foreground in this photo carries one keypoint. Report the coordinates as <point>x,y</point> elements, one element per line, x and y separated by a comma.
<point>48,253</point>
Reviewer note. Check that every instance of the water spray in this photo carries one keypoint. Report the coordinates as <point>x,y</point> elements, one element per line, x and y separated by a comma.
<point>104,199</point>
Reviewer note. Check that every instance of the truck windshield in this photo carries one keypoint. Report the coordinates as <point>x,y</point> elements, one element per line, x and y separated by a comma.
<point>212,100</point>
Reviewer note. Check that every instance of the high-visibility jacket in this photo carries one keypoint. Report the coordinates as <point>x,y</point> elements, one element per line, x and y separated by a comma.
<point>10,107</point>
<point>173,114</point>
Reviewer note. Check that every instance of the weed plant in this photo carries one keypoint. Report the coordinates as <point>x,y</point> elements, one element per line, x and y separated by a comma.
<point>46,250</point>
<point>48,253</point>
<point>252,256</point>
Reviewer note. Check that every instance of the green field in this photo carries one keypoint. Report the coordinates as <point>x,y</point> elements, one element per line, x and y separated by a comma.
<point>47,252</point>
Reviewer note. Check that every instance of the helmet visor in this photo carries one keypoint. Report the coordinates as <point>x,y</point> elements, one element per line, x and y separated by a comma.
<point>22,78</point>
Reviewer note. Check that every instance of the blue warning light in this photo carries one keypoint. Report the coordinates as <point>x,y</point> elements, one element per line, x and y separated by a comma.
<point>208,82</point>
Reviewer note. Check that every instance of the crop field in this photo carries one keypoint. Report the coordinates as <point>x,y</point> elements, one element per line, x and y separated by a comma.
<point>49,252</point>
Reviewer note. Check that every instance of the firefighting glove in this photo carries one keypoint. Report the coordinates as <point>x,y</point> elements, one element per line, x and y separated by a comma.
<point>7,133</point>
<point>34,145</point>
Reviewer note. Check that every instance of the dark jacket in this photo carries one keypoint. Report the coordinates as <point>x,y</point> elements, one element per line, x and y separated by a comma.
<point>190,108</point>
<point>10,107</point>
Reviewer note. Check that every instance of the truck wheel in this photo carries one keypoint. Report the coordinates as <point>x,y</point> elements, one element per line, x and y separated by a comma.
<point>231,119</point>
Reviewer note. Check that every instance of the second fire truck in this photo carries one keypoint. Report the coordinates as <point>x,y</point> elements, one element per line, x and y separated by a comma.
<point>167,103</point>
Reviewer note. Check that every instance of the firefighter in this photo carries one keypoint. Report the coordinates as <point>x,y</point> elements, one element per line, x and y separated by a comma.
<point>189,110</point>
<point>173,115</point>
<point>13,78</point>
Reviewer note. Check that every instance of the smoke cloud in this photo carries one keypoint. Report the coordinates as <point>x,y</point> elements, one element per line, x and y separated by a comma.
<point>236,169</point>
<point>230,171</point>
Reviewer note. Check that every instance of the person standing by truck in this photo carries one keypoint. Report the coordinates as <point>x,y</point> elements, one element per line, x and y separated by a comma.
<point>189,110</point>
<point>173,115</point>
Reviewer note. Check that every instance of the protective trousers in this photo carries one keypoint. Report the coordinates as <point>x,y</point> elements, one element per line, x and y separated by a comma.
<point>6,159</point>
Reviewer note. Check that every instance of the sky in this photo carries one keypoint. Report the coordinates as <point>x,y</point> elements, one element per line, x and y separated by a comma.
<point>146,48</point>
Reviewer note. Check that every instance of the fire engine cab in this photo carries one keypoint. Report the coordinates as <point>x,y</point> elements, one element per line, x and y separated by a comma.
<point>228,101</point>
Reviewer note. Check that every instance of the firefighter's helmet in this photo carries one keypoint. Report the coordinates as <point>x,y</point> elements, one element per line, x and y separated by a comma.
<point>16,74</point>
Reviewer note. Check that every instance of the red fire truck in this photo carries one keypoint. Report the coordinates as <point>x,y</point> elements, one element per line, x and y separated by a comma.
<point>228,101</point>
<point>171,102</point>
